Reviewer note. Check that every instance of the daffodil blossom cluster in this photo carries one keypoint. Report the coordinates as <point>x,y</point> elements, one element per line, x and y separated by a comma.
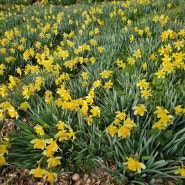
<point>122,125</point>
<point>164,118</point>
<point>144,88</point>
<point>49,149</point>
<point>111,68</point>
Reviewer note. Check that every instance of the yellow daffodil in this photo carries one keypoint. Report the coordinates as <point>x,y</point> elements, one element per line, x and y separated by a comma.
<point>2,68</point>
<point>52,145</point>
<point>71,134</point>
<point>84,75</point>
<point>2,115</point>
<point>50,177</point>
<point>137,53</point>
<point>160,73</point>
<point>134,165</point>
<point>2,160</point>
<point>3,150</point>
<point>144,66</point>
<point>61,135</point>
<point>38,172</point>
<point>39,130</point>
<point>100,49</point>
<point>166,119</point>
<point>153,57</point>
<point>97,83</point>
<point>61,125</point>
<point>139,110</point>
<point>12,112</point>
<point>89,119</point>
<point>24,106</point>
<point>131,60</point>
<point>178,109</point>
<point>181,170</point>
<point>160,111</point>
<point>48,153</point>
<point>84,109</point>
<point>108,85</point>
<point>146,93</point>
<point>142,84</point>
<point>129,123</point>
<point>95,111</point>
<point>112,130</point>
<point>3,90</point>
<point>39,143</point>
<point>120,115</point>
<point>27,91</point>
<point>54,161</point>
<point>106,73</point>
<point>158,125</point>
<point>116,121</point>
<point>89,99</point>
<point>124,131</point>
<point>132,38</point>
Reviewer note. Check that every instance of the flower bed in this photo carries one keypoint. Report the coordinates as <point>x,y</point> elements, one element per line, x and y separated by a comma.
<point>95,85</point>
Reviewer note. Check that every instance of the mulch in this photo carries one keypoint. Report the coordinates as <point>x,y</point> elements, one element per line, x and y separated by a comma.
<point>12,176</point>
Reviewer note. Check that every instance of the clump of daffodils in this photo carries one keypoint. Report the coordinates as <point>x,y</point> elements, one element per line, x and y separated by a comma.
<point>144,88</point>
<point>80,68</point>
<point>122,125</point>
<point>6,108</point>
<point>164,118</point>
<point>49,149</point>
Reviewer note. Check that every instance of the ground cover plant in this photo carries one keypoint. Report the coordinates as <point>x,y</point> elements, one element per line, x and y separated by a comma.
<point>93,86</point>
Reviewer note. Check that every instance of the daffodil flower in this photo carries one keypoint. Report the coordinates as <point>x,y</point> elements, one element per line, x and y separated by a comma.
<point>134,165</point>
<point>181,171</point>
<point>38,172</point>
